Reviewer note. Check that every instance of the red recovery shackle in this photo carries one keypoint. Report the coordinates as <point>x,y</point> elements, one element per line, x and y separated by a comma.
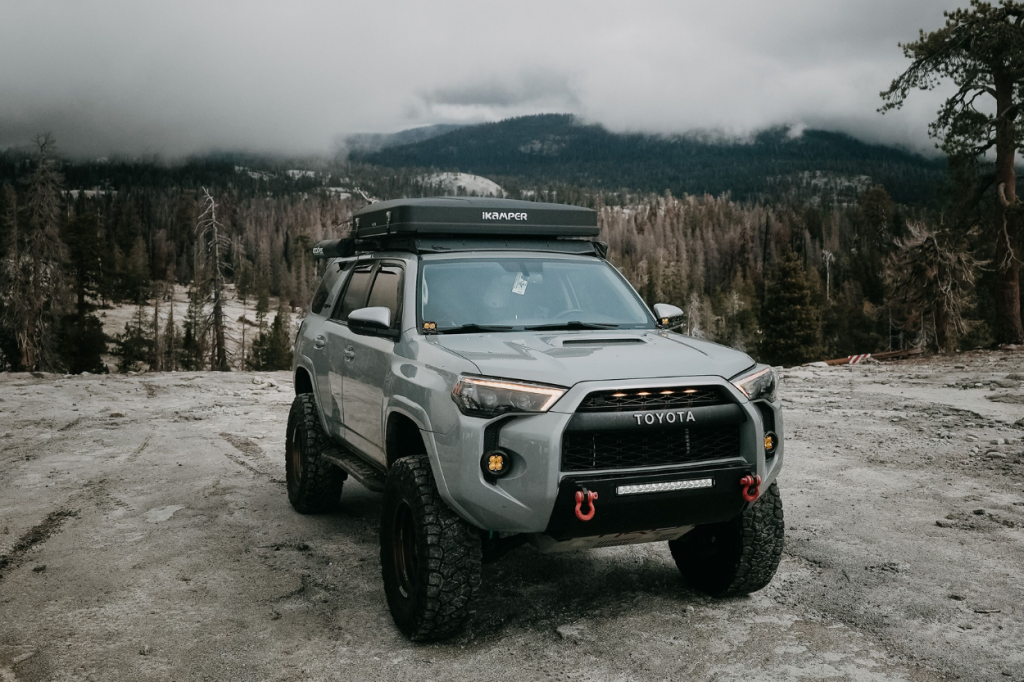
<point>590,497</point>
<point>751,487</point>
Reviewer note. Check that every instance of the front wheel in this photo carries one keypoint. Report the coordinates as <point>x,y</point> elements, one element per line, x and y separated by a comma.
<point>430,558</point>
<point>736,557</point>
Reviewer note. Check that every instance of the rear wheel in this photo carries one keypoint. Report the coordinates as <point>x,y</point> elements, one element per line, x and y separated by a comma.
<point>736,557</point>
<point>314,484</point>
<point>430,558</point>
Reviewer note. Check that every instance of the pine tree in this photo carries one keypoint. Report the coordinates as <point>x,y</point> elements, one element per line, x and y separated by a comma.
<point>193,343</point>
<point>136,283</point>
<point>790,321</point>
<point>271,349</point>
<point>135,345</point>
<point>82,339</point>
<point>171,340</point>
<point>156,351</point>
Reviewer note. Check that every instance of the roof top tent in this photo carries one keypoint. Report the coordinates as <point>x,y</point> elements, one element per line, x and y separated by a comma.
<point>467,224</point>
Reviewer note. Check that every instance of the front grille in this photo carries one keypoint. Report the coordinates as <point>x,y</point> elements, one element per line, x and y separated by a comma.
<point>665,398</point>
<point>587,451</point>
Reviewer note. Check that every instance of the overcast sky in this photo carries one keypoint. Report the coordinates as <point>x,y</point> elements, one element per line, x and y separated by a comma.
<point>178,76</point>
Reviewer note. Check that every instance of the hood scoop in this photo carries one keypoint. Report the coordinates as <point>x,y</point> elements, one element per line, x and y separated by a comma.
<point>628,341</point>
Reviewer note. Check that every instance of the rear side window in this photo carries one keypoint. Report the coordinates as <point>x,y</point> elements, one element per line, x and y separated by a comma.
<point>387,288</point>
<point>355,293</point>
<point>323,292</point>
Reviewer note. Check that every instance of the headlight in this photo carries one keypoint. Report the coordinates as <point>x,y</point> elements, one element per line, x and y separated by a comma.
<point>760,384</point>
<point>491,397</point>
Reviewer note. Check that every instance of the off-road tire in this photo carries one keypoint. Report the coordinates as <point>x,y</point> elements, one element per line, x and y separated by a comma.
<point>314,484</point>
<point>736,557</point>
<point>429,556</point>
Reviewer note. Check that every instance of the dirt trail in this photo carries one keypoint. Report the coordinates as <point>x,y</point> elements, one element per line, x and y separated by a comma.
<point>183,560</point>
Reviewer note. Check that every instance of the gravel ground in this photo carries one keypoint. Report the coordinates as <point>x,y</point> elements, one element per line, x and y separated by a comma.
<point>145,534</point>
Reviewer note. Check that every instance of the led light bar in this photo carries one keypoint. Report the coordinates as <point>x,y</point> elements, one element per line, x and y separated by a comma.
<point>667,486</point>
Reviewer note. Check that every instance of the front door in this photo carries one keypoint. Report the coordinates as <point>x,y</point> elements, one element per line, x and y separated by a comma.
<point>334,336</point>
<point>368,361</point>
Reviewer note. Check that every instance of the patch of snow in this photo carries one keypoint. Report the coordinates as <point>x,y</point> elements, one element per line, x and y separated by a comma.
<point>294,173</point>
<point>464,183</point>
<point>90,193</point>
<point>255,175</point>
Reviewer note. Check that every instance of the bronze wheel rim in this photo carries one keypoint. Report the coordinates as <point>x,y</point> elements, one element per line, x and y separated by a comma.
<point>295,456</point>
<point>404,549</point>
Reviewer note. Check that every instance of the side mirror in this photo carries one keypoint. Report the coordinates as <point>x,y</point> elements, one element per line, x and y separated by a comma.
<point>668,315</point>
<point>375,321</point>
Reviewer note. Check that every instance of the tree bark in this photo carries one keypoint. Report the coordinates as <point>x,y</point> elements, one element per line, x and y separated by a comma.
<point>1007,263</point>
<point>941,326</point>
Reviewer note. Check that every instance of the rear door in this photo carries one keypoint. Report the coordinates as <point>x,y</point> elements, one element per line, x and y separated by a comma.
<point>314,335</point>
<point>334,337</point>
<point>368,361</point>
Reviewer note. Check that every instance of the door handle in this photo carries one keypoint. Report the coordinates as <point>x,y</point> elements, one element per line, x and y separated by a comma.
<point>350,353</point>
<point>320,342</point>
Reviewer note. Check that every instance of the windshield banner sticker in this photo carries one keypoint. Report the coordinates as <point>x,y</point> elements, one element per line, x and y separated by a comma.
<point>519,287</point>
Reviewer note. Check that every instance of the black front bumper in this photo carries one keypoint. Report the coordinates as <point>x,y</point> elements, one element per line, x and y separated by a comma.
<point>647,511</point>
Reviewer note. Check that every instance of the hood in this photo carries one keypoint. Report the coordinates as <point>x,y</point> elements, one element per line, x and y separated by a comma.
<point>567,358</point>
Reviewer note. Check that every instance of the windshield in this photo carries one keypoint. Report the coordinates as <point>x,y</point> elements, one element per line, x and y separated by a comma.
<point>503,294</point>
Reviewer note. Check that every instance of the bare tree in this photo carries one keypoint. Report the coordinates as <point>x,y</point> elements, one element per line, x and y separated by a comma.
<point>33,276</point>
<point>210,234</point>
<point>829,258</point>
<point>931,280</point>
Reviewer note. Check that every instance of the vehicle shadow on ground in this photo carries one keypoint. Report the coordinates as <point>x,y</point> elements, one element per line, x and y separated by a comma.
<point>529,590</point>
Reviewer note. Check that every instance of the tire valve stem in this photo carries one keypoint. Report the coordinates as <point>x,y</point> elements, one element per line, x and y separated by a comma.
<point>590,497</point>
<point>751,487</point>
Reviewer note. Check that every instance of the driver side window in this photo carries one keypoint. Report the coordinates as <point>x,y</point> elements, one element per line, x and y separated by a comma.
<point>387,290</point>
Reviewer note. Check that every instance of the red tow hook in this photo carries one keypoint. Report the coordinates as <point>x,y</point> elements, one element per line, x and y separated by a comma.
<point>590,497</point>
<point>751,487</point>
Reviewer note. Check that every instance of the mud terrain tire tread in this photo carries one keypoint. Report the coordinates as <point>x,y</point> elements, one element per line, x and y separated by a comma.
<point>317,489</point>
<point>448,550</point>
<point>748,552</point>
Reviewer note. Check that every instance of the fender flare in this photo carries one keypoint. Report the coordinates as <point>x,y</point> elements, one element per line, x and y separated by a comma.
<point>305,363</point>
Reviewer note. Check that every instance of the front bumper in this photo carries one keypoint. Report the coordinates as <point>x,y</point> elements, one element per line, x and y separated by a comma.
<point>535,496</point>
<point>616,514</point>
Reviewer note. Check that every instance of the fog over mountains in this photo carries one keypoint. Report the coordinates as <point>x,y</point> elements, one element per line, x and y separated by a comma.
<point>556,148</point>
<point>174,79</point>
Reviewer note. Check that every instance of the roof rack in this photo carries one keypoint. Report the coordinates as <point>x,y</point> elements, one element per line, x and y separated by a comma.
<point>467,224</point>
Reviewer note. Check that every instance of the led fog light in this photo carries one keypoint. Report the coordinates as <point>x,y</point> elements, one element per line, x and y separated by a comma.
<point>771,443</point>
<point>496,463</point>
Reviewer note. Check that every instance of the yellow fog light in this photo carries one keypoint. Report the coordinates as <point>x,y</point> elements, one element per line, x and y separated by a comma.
<point>771,443</point>
<point>496,463</point>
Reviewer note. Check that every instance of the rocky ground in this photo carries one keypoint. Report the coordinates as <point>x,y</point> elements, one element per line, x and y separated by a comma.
<point>145,534</point>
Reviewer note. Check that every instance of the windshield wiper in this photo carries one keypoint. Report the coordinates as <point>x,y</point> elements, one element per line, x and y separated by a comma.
<point>473,328</point>
<point>573,324</point>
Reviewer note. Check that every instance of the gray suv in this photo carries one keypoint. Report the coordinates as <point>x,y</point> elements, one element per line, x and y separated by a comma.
<point>482,364</point>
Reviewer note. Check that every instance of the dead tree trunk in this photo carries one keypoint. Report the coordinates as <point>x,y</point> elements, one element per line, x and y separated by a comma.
<point>210,228</point>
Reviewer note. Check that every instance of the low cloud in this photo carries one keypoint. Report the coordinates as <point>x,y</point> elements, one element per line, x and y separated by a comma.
<point>189,76</point>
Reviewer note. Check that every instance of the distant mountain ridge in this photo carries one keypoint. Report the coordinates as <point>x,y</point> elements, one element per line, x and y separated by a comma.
<point>372,142</point>
<point>557,148</point>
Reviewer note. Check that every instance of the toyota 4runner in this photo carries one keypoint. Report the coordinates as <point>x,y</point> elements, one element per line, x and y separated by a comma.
<point>483,365</point>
